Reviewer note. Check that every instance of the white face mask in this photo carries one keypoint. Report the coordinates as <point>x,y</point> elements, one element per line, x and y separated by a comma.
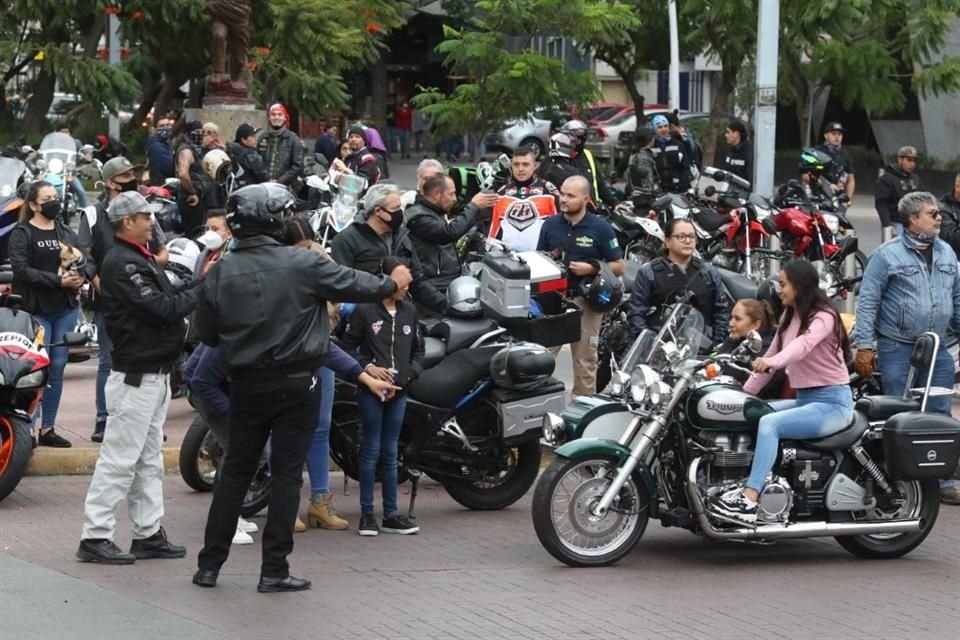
<point>211,240</point>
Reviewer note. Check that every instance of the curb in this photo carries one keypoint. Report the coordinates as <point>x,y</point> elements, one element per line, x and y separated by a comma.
<point>81,461</point>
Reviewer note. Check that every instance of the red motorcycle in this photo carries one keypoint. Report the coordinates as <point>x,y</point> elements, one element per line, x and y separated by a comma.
<point>24,366</point>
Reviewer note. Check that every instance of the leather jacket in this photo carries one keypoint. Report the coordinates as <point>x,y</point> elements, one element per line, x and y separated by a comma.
<point>435,239</point>
<point>282,152</point>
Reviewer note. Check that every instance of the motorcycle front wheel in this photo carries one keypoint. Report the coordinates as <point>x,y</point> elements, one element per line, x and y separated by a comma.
<point>16,447</point>
<point>563,518</point>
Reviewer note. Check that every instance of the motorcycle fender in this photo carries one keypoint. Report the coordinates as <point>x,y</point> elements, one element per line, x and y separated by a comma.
<point>652,227</point>
<point>587,447</point>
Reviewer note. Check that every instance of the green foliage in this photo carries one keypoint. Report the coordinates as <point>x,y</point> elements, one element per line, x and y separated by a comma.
<point>506,78</point>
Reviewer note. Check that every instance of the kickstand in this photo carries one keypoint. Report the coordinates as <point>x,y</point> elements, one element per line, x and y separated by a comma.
<point>414,483</point>
<point>346,485</point>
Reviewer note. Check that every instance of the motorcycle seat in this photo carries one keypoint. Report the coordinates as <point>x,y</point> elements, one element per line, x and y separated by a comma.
<point>459,333</point>
<point>710,220</point>
<point>739,286</point>
<point>630,270</point>
<point>842,439</point>
<point>433,351</point>
<point>877,408</point>
<point>444,384</point>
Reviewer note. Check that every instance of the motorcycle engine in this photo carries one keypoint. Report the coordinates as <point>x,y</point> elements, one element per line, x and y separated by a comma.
<point>775,501</point>
<point>732,462</point>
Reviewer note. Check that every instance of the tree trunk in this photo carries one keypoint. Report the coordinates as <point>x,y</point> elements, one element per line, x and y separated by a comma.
<point>378,97</point>
<point>629,78</point>
<point>35,120</point>
<point>164,101</point>
<point>140,113</point>
<point>718,110</point>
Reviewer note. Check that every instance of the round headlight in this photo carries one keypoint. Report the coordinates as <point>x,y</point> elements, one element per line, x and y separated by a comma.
<point>640,382</point>
<point>553,428</point>
<point>56,165</point>
<point>619,383</point>
<point>833,222</point>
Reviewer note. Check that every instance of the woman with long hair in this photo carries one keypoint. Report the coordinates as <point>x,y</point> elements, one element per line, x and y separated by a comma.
<point>48,269</point>
<point>811,345</point>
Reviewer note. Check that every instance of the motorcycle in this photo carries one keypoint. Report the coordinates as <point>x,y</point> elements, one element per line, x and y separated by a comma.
<point>339,204</point>
<point>12,174</point>
<point>478,438</point>
<point>640,237</point>
<point>57,165</point>
<point>24,366</point>
<point>671,435</point>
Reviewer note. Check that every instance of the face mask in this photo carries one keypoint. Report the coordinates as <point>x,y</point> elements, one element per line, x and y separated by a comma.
<point>396,220</point>
<point>130,185</point>
<point>211,240</point>
<point>51,210</point>
<point>196,136</point>
<point>164,133</point>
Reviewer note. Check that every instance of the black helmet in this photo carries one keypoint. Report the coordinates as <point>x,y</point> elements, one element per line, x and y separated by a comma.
<point>815,162</point>
<point>604,291</point>
<point>768,292</point>
<point>259,210</point>
<point>521,366</point>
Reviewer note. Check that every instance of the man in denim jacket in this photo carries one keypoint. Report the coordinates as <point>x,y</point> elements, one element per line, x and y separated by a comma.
<point>910,287</point>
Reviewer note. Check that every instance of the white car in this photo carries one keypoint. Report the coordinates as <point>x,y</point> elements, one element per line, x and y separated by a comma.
<point>533,131</point>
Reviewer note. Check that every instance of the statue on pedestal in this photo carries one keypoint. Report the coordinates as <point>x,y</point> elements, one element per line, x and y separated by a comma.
<point>230,78</point>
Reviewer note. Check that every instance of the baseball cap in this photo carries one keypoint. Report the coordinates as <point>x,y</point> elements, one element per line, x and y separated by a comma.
<point>244,131</point>
<point>115,166</point>
<point>834,126</point>
<point>129,203</point>
<point>907,152</point>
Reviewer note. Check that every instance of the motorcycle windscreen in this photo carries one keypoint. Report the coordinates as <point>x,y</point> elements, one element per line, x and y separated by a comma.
<point>10,171</point>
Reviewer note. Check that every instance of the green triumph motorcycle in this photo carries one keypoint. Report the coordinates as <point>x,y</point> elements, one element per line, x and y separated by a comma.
<point>671,432</point>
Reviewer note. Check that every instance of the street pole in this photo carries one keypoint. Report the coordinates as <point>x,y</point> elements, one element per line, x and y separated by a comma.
<point>765,126</point>
<point>113,24</point>
<point>674,57</point>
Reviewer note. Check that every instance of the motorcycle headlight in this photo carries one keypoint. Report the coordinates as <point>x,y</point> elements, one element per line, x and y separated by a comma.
<point>833,222</point>
<point>619,383</point>
<point>762,213</point>
<point>34,379</point>
<point>643,378</point>
<point>553,429</point>
<point>56,165</point>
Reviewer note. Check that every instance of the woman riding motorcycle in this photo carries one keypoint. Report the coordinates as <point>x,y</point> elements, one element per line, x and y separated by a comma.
<point>678,276</point>
<point>811,344</point>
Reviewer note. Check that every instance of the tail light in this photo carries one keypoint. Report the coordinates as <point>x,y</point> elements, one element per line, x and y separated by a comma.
<point>601,133</point>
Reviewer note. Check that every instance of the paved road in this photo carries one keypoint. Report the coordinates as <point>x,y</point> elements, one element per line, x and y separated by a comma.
<point>467,575</point>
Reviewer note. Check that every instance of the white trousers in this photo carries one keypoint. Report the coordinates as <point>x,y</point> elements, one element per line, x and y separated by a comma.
<point>130,466</point>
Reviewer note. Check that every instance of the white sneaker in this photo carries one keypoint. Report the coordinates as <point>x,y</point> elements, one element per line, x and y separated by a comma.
<point>246,526</point>
<point>242,537</point>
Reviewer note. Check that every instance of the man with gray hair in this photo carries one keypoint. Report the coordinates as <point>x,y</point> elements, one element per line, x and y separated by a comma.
<point>910,286</point>
<point>427,168</point>
<point>364,245</point>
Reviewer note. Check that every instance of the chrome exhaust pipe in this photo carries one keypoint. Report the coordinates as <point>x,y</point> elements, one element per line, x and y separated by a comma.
<point>783,531</point>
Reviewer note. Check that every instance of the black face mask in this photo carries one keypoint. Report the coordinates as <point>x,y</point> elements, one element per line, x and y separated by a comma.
<point>196,136</point>
<point>130,185</point>
<point>396,219</point>
<point>51,209</point>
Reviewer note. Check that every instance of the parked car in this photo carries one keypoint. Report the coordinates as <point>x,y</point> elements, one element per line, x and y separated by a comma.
<point>696,122</point>
<point>533,131</point>
<point>602,140</point>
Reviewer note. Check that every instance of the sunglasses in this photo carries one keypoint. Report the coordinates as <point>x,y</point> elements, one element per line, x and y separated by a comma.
<point>936,213</point>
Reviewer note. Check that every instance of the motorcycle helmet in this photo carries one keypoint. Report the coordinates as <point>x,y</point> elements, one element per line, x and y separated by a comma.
<point>577,129</point>
<point>604,291</point>
<point>184,254</point>
<point>521,366</point>
<point>769,292</point>
<point>259,209</point>
<point>216,164</point>
<point>815,162</point>
<point>562,145</point>
<point>463,297</point>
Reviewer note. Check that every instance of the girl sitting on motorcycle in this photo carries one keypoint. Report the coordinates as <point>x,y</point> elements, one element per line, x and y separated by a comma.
<point>811,345</point>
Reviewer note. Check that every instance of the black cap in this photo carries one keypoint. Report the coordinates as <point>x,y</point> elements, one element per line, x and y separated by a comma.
<point>192,125</point>
<point>834,126</point>
<point>244,131</point>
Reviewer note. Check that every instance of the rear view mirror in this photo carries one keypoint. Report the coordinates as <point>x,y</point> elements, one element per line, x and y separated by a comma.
<point>6,277</point>
<point>754,342</point>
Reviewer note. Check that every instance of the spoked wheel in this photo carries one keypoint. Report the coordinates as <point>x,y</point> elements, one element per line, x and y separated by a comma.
<point>563,517</point>
<point>914,499</point>
<point>16,446</point>
<point>500,486</point>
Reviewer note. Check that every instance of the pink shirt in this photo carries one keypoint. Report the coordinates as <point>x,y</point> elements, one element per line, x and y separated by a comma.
<point>811,360</point>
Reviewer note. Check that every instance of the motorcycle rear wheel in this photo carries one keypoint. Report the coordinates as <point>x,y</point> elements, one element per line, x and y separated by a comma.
<point>564,524</point>
<point>501,487</point>
<point>16,447</point>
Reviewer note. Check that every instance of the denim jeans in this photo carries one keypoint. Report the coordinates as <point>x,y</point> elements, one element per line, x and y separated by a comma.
<point>378,448</point>
<point>76,187</point>
<point>815,413</point>
<point>54,326</point>
<point>104,362</point>
<point>894,361</point>
<point>318,457</point>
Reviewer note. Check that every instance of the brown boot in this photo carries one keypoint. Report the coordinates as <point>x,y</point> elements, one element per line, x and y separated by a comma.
<point>298,526</point>
<point>321,514</point>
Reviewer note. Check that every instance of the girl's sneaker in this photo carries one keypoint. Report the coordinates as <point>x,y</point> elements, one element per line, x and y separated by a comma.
<point>368,525</point>
<point>397,523</point>
<point>242,537</point>
<point>246,526</point>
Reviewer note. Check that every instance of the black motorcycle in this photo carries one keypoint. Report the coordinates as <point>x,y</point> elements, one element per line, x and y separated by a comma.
<point>472,431</point>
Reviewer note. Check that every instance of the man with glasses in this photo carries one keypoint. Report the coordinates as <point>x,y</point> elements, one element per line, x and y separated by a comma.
<point>894,182</point>
<point>679,276</point>
<point>144,316</point>
<point>910,286</point>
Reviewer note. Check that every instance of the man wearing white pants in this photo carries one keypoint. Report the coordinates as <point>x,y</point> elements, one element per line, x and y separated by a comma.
<point>144,317</point>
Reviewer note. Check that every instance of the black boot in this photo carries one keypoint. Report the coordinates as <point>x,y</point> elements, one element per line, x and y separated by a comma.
<point>98,430</point>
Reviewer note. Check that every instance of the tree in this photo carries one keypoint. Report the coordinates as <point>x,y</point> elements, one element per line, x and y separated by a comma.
<point>503,82</point>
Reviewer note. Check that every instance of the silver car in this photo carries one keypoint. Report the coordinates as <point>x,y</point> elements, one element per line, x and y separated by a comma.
<point>533,131</point>
<point>602,141</point>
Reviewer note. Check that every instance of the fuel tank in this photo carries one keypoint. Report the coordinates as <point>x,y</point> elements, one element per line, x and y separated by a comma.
<point>726,407</point>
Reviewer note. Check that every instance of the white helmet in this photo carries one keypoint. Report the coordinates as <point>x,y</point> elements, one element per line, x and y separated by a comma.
<point>562,145</point>
<point>575,128</point>
<point>216,164</point>
<point>184,253</point>
<point>463,297</point>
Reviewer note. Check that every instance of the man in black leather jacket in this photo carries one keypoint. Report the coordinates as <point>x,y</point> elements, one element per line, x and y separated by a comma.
<point>364,245</point>
<point>248,163</point>
<point>895,181</point>
<point>264,306</point>
<point>281,149</point>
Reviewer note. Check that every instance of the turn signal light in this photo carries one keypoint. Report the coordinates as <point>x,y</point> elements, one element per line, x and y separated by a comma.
<point>711,370</point>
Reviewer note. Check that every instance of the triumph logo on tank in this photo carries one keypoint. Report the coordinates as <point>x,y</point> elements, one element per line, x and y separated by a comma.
<point>722,405</point>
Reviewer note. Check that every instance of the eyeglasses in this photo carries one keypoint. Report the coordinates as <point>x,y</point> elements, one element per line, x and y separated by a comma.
<point>936,213</point>
<point>684,237</point>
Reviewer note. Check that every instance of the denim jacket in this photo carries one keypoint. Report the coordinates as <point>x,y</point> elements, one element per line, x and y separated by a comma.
<point>900,298</point>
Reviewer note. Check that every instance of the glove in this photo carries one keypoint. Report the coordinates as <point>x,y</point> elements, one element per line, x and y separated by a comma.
<point>863,364</point>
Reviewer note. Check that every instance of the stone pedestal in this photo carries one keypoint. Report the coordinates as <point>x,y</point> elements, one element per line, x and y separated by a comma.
<point>228,116</point>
